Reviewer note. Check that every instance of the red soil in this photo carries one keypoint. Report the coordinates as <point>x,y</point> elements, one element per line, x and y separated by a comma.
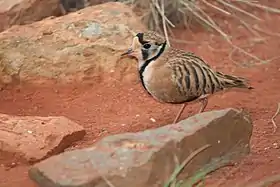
<point>113,107</point>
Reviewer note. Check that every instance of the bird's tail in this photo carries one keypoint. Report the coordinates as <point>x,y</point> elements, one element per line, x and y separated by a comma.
<point>231,81</point>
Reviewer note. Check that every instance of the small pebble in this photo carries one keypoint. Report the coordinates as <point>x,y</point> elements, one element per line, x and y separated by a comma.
<point>275,145</point>
<point>47,32</point>
<point>152,119</point>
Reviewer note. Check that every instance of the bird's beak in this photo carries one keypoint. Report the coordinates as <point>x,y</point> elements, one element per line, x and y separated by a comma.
<point>128,52</point>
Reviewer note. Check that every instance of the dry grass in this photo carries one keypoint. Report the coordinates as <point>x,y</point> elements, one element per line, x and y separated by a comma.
<point>172,181</point>
<point>162,15</point>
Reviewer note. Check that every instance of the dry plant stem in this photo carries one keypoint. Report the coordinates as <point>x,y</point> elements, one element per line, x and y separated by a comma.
<point>207,17</point>
<point>271,59</point>
<point>270,9</point>
<point>178,41</point>
<point>248,27</point>
<point>171,32</point>
<point>231,58</point>
<point>257,28</point>
<point>155,16</point>
<point>107,181</point>
<point>216,7</point>
<point>212,24</point>
<point>238,18</point>
<point>163,16</point>
<point>246,53</point>
<point>164,24</point>
<point>178,170</point>
<point>209,22</point>
<point>235,48</point>
<point>239,9</point>
<point>273,118</point>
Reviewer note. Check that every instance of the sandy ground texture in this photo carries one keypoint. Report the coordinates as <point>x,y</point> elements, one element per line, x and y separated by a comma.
<point>113,107</point>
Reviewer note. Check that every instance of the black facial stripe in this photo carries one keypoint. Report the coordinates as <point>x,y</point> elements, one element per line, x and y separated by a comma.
<point>159,53</point>
<point>146,63</point>
<point>145,54</point>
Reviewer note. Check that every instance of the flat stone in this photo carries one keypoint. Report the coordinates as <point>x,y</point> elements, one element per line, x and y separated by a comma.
<point>146,159</point>
<point>33,138</point>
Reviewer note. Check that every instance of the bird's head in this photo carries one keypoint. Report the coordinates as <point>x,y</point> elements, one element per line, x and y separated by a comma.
<point>146,46</point>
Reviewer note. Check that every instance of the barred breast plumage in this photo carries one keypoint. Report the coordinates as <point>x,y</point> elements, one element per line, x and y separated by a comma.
<point>175,76</point>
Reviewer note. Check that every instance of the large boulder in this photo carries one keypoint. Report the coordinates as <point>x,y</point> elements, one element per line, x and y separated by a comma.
<point>75,47</point>
<point>33,138</point>
<point>148,158</point>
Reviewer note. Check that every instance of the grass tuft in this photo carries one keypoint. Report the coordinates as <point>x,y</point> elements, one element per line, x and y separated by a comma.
<point>163,15</point>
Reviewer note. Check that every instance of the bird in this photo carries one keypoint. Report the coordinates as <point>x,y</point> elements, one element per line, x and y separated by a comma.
<point>175,76</point>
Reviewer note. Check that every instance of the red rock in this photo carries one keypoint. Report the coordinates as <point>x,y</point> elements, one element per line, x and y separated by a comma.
<point>33,138</point>
<point>75,47</point>
<point>146,159</point>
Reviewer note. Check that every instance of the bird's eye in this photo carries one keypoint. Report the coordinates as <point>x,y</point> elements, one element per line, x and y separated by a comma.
<point>147,46</point>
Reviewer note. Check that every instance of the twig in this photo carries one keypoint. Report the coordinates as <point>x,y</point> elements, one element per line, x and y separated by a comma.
<point>216,7</point>
<point>107,181</point>
<point>208,22</point>
<point>247,53</point>
<point>257,28</point>
<point>271,59</point>
<point>178,170</point>
<point>163,16</point>
<point>273,118</point>
<point>179,41</point>
<point>270,9</point>
<point>248,27</point>
<point>239,9</point>
<point>164,24</point>
<point>230,56</point>
<point>155,15</point>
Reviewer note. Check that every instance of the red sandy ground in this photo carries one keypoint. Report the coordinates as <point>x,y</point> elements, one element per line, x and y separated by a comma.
<point>111,108</point>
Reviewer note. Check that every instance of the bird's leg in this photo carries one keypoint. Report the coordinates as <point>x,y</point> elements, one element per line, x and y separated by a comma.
<point>179,113</point>
<point>204,102</point>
